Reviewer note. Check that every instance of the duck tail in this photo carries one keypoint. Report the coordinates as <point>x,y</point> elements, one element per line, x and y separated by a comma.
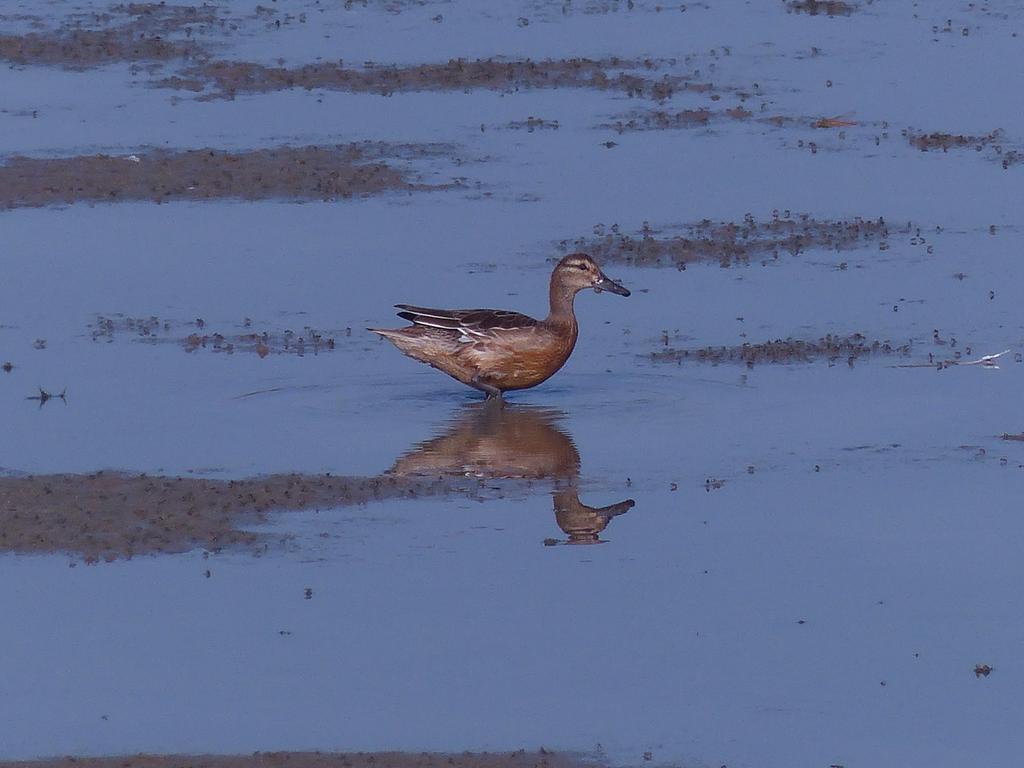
<point>397,336</point>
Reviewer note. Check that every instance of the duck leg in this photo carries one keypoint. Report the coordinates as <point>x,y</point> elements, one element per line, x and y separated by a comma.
<point>492,391</point>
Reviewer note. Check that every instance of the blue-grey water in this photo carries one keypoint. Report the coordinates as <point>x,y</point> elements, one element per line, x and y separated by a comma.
<point>825,605</point>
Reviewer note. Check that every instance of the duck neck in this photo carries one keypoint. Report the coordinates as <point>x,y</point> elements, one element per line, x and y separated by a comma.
<point>562,296</point>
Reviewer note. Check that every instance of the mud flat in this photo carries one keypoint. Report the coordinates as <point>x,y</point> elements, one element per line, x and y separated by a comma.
<point>89,48</point>
<point>522,759</point>
<point>109,515</point>
<point>729,242</point>
<point>636,78</point>
<point>832,348</point>
<point>297,173</point>
<point>131,32</point>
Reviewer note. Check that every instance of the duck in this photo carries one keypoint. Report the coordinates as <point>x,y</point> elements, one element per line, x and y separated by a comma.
<point>496,350</point>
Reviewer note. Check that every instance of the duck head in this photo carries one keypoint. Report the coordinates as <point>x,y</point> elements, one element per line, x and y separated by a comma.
<point>578,271</point>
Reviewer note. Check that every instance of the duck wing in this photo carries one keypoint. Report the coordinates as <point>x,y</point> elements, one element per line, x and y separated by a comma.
<point>473,322</point>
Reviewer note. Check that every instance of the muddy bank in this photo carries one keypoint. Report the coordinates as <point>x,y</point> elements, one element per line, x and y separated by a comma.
<point>832,348</point>
<point>542,758</point>
<point>162,34</point>
<point>89,48</point>
<point>198,335</point>
<point>727,243</point>
<point>296,173</point>
<point>636,78</point>
<point>108,515</point>
<point>128,32</point>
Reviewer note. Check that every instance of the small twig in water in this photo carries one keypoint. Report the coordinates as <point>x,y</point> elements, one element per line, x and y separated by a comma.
<point>273,390</point>
<point>987,361</point>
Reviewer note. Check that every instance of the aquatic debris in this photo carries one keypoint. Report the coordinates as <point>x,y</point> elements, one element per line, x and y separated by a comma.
<point>830,347</point>
<point>995,142</point>
<point>982,670</point>
<point>839,121</point>
<point>164,17</point>
<point>7,367</point>
<point>821,7</point>
<point>1013,157</point>
<point>948,141</point>
<point>662,119</point>
<point>297,173</point>
<point>726,243</point>
<point>654,120</point>
<point>43,397</point>
<point>105,327</point>
<point>155,330</point>
<point>739,113</point>
<point>309,341</point>
<point>532,124</point>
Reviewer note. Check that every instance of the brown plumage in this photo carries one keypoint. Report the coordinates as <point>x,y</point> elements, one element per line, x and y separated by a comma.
<point>495,350</point>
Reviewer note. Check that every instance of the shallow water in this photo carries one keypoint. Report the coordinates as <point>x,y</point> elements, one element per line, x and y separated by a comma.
<point>819,554</point>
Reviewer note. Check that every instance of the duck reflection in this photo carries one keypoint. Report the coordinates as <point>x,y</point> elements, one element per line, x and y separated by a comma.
<point>583,524</point>
<point>497,440</point>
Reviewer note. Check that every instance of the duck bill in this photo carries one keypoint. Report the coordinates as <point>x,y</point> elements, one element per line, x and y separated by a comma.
<point>607,284</point>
